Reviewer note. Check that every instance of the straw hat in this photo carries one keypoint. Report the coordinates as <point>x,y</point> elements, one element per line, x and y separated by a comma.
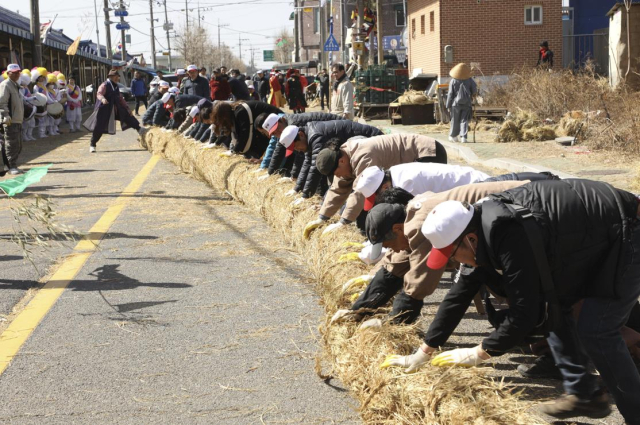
<point>461,71</point>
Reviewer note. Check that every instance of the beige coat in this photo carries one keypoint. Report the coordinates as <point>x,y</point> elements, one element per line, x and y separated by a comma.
<point>342,100</point>
<point>383,151</point>
<point>419,280</point>
<point>11,103</point>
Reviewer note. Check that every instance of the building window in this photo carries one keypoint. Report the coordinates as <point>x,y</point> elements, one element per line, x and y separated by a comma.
<point>316,20</point>
<point>413,28</point>
<point>533,15</point>
<point>422,24</point>
<point>400,21</point>
<point>432,21</point>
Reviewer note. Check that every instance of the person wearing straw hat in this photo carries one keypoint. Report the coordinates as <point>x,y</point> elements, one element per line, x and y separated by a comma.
<point>545,246</point>
<point>11,116</point>
<point>462,89</point>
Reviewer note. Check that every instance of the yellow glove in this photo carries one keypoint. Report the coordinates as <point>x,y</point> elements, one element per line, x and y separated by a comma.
<point>357,245</point>
<point>465,357</point>
<point>351,256</point>
<point>411,363</point>
<point>355,296</point>
<point>225,153</point>
<point>311,226</point>
<point>359,281</point>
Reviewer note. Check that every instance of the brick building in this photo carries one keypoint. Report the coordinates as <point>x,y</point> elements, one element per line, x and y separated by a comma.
<point>497,36</point>
<point>393,23</point>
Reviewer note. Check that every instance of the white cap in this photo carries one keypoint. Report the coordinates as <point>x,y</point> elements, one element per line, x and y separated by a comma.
<point>288,136</point>
<point>369,181</point>
<point>180,72</point>
<point>192,68</point>
<point>165,97</point>
<point>164,83</point>
<point>174,90</point>
<point>194,111</point>
<point>270,123</point>
<point>13,67</point>
<point>153,83</point>
<point>444,224</point>
<point>249,84</point>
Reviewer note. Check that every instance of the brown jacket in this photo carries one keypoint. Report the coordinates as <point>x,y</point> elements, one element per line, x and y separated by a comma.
<point>383,151</point>
<point>419,280</point>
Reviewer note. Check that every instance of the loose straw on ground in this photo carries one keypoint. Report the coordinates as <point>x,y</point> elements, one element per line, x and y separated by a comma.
<point>431,396</point>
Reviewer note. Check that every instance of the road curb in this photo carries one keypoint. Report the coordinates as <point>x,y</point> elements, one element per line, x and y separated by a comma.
<point>458,150</point>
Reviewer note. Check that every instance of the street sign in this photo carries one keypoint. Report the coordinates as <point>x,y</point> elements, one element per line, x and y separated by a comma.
<point>123,26</point>
<point>391,42</point>
<point>165,53</point>
<point>268,55</point>
<point>332,44</point>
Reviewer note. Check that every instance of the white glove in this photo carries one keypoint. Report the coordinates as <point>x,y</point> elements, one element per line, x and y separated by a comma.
<point>340,315</point>
<point>465,357</point>
<point>262,178</point>
<point>365,254</point>
<point>411,363</point>
<point>297,201</point>
<point>332,227</point>
<point>259,170</point>
<point>286,179</point>
<point>360,281</point>
<point>372,323</point>
<point>291,192</point>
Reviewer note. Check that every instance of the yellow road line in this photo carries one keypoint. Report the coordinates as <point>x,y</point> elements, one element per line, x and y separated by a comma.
<point>26,322</point>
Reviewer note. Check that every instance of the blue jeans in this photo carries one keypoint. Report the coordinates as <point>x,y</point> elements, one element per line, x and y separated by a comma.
<point>596,337</point>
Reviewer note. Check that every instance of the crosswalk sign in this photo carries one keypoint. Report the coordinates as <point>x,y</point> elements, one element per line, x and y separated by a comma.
<point>332,44</point>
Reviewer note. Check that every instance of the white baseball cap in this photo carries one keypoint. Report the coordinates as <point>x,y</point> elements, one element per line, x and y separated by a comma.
<point>192,68</point>
<point>444,224</point>
<point>13,67</point>
<point>368,184</point>
<point>249,84</point>
<point>271,123</point>
<point>287,137</point>
<point>174,90</point>
<point>194,111</point>
<point>165,97</point>
<point>180,71</point>
<point>164,83</point>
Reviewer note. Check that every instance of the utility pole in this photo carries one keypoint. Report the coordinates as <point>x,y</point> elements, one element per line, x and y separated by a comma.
<point>123,40</point>
<point>219,44</point>
<point>323,35</point>
<point>379,28</point>
<point>199,20</point>
<point>240,40</point>
<point>359,5</point>
<point>296,31</point>
<point>166,28</point>
<point>35,30</point>
<point>107,25</point>
<point>153,35</point>
<point>95,9</point>
<point>186,12</point>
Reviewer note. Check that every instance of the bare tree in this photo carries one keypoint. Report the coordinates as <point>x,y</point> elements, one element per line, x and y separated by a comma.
<point>627,6</point>
<point>284,46</point>
<point>196,47</point>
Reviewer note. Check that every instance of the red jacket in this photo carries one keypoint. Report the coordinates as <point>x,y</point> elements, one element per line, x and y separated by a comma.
<point>220,90</point>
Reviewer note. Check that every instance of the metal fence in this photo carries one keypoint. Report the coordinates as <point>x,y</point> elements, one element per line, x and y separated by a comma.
<point>582,48</point>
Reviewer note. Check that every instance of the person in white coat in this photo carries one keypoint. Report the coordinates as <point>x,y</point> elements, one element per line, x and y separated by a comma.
<point>74,105</point>
<point>29,124</point>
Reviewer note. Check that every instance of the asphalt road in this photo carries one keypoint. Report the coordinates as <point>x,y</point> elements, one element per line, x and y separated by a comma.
<point>190,311</point>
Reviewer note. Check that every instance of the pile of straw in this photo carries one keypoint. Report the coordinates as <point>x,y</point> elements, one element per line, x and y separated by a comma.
<point>433,395</point>
<point>414,97</point>
<point>524,126</point>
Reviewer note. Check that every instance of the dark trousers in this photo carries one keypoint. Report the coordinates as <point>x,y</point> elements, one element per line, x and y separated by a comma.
<point>440,158</point>
<point>596,336</point>
<point>324,94</point>
<point>12,145</point>
<point>143,100</point>
<point>127,119</point>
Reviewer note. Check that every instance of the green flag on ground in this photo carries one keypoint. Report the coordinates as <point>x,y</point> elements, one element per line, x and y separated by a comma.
<point>19,184</point>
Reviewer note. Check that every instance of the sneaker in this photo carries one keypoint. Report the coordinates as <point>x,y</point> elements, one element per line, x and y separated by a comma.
<point>92,149</point>
<point>453,139</point>
<point>15,171</point>
<point>570,406</point>
<point>543,368</point>
<point>463,140</point>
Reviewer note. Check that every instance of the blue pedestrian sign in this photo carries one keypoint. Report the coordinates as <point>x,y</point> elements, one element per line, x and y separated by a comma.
<point>332,44</point>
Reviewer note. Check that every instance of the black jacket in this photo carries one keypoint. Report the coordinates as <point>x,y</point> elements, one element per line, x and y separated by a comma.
<point>155,97</point>
<point>244,126</point>
<point>184,100</point>
<point>239,89</point>
<point>197,87</point>
<point>318,133</point>
<point>156,114</point>
<point>582,224</point>
<point>263,87</point>
<point>299,120</point>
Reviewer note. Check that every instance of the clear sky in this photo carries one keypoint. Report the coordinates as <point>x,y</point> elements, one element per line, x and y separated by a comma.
<point>257,21</point>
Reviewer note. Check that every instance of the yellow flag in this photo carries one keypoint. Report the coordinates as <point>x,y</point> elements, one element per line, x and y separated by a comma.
<point>74,47</point>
